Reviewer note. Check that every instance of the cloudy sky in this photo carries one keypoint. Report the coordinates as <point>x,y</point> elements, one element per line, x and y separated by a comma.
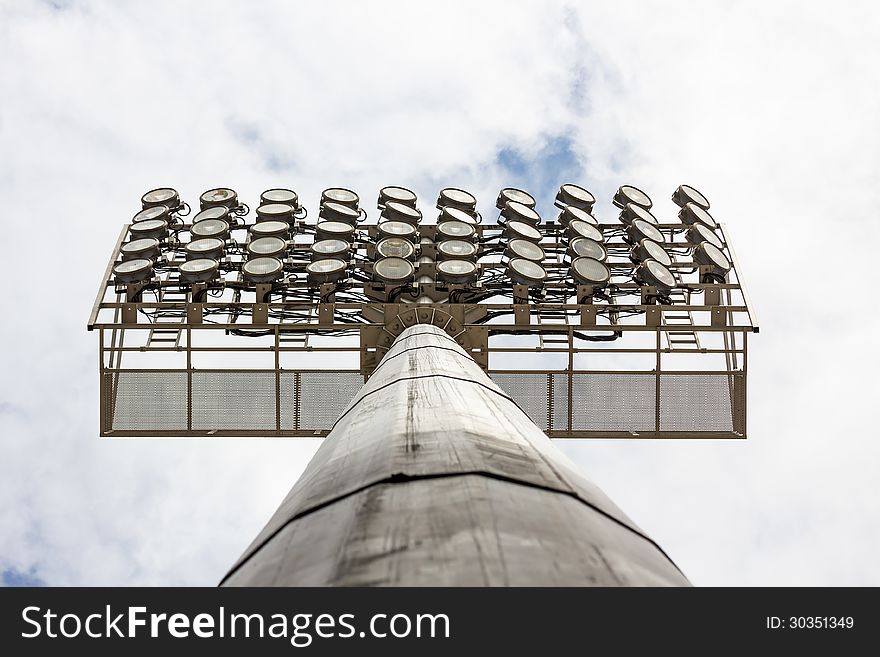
<point>770,108</point>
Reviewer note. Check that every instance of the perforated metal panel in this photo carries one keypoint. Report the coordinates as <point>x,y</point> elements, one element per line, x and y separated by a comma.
<point>613,402</point>
<point>145,401</point>
<point>324,395</point>
<point>229,400</point>
<point>529,391</point>
<point>705,402</point>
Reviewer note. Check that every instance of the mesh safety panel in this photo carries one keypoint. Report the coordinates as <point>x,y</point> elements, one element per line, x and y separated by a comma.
<point>324,395</point>
<point>696,402</point>
<point>233,400</point>
<point>613,402</point>
<point>529,390</point>
<point>152,401</point>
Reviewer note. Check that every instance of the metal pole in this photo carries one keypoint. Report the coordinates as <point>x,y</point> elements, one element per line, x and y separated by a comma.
<point>433,476</point>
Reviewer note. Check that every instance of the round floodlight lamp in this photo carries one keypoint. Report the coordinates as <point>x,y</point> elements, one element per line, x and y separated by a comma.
<point>518,248</point>
<point>200,270</point>
<point>207,247</point>
<point>331,248</point>
<point>333,211</point>
<point>267,246</point>
<point>699,233</point>
<point>589,271</point>
<point>578,228</point>
<point>210,228</point>
<point>326,270</point>
<point>275,212</point>
<point>515,211</point>
<point>640,229</point>
<point>270,229</point>
<point>162,196</point>
<point>280,195</point>
<point>572,195</point>
<point>457,271</point>
<point>340,230</point>
<point>512,195</point>
<point>522,230</point>
<point>397,229</point>
<point>147,247</point>
<point>262,269</point>
<point>629,194</point>
<point>456,230</point>
<point>631,212</point>
<point>651,272</point>
<point>396,211</point>
<point>221,197</point>
<point>151,212</point>
<point>456,214</point>
<point>692,214</point>
<point>133,271</point>
<point>648,249</point>
<point>456,250</point>
<point>395,247</point>
<point>211,213</point>
<point>711,256</point>
<point>584,247</point>
<point>156,228</point>
<point>393,270</point>
<point>526,272</point>
<point>452,197</point>
<point>341,196</point>
<point>571,213</point>
<point>397,195</point>
<point>685,194</point>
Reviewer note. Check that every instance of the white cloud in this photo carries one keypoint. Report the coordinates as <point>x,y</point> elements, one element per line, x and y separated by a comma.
<point>769,109</point>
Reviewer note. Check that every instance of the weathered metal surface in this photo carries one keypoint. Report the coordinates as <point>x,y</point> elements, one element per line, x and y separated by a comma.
<point>433,476</point>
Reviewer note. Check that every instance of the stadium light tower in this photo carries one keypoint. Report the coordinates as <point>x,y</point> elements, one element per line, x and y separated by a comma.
<point>386,337</point>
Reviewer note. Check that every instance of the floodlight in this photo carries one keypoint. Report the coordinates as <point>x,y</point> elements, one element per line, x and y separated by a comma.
<point>396,211</point>
<point>456,249</point>
<point>211,213</point>
<point>631,212</point>
<point>157,228</point>
<point>342,196</point>
<point>692,213</point>
<point>629,194</point>
<point>210,228</point>
<point>263,269</point>
<point>699,233</point>
<point>333,211</point>
<point>397,247</point>
<point>711,256</point>
<point>327,270</point>
<point>267,246</point>
<point>334,230</point>
<point>133,271</point>
<point>574,196</point>
<point>578,228</point>
<point>571,213</point>
<point>519,248</point>
<point>648,249</point>
<point>275,212</point>
<point>457,198</point>
<point>584,247</point>
<point>651,272</point>
<point>162,196</point>
<point>396,194</point>
<point>207,247</point>
<point>284,196</point>
<point>456,230</point>
<point>639,229</point>
<point>147,247</point>
<point>270,229</point>
<point>526,272</point>
<point>512,195</point>
<point>457,271</point>
<point>152,212</point>
<point>331,248</point>
<point>589,271</point>
<point>455,214</point>
<point>685,194</point>
<point>220,197</point>
<point>200,270</point>
<point>393,270</point>
<point>397,229</point>
<point>515,211</point>
<point>522,230</point>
